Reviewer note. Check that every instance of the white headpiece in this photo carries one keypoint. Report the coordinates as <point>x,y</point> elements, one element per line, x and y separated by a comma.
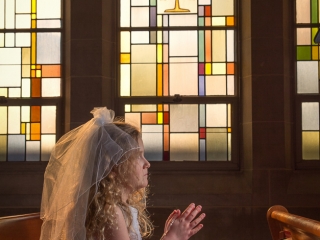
<point>80,159</point>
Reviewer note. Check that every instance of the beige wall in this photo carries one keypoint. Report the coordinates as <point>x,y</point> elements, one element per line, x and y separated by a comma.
<point>235,201</point>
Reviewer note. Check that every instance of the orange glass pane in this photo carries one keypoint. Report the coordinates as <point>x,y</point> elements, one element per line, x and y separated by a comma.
<point>160,107</point>
<point>35,114</point>
<point>35,131</point>
<point>207,11</point>
<point>51,70</point>
<point>149,118</point>
<point>159,80</point>
<point>230,68</point>
<point>207,21</point>
<point>38,66</point>
<point>166,118</point>
<point>230,21</point>
<point>208,45</point>
<point>166,138</point>
<point>165,80</point>
<point>35,87</point>
<point>33,73</point>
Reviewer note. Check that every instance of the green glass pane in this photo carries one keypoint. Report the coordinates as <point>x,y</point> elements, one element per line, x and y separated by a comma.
<point>217,147</point>
<point>310,145</point>
<point>201,46</point>
<point>303,53</point>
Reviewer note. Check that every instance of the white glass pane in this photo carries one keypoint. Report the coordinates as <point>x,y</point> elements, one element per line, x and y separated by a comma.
<point>10,55</point>
<point>125,42</point>
<point>303,36</point>
<point>183,43</point>
<point>47,143</point>
<point>48,46</point>
<point>9,39</point>
<point>125,80</point>
<point>303,11</point>
<point>1,39</point>
<point>140,37</point>
<point>143,75</point>
<point>222,8</point>
<point>230,46</point>
<point>216,85</point>
<point>307,77</point>
<point>33,151</point>
<point>48,118</point>
<point>10,75</point>
<point>14,92</point>
<point>4,120</point>
<point>140,2</point>
<point>218,68</point>
<point>23,21</point>
<point>218,46</point>
<point>50,87</point>
<point>23,40</point>
<point>217,150</point>
<point>183,20</point>
<point>140,17</point>
<point>134,119</point>
<point>23,6</point>
<point>184,146</point>
<point>186,74</point>
<point>48,9</point>
<point>183,59</point>
<point>216,115</point>
<point>13,119</point>
<point>184,118</point>
<point>2,15</point>
<point>25,113</point>
<point>152,139</point>
<point>143,53</point>
<point>125,13</point>
<point>26,87</point>
<point>49,23</point>
<point>9,14</point>
<point>230,85</point>
<point>16,147</point>
<point>310,116</point>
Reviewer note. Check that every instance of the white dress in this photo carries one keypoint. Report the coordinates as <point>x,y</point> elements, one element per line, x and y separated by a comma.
<point>134,232</point>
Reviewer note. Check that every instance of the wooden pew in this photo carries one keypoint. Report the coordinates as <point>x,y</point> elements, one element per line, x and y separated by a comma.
<point>18,227</point>
<point>284,225</point>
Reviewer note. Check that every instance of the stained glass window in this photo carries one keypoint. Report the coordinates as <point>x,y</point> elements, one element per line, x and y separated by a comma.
<point>184,49</point>
<point>30,78</point>
<point>307,77</point>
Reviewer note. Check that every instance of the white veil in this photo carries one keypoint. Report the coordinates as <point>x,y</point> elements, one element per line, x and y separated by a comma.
<point>80,159</point>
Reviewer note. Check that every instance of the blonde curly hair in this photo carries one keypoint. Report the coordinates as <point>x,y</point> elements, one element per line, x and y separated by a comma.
<point>101,210</point>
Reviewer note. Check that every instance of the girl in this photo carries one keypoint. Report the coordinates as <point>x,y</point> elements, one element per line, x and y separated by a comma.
<point>95,187</point>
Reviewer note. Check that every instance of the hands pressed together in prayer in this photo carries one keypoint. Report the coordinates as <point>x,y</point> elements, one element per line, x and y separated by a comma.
<point>181,226</point>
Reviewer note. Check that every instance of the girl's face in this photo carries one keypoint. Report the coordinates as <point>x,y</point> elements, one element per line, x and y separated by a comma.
<point>139,177</point>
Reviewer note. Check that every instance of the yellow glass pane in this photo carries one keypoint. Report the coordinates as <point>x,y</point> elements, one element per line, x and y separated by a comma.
<point>208,68</point>
<point>143,79</point>
<point>222,8</point>
<point>218,21</point>
<point>125,58</point>
<point>23,128</point>
<point>3,120</point>
<point>218,68</point>
<point>38,73</point>
<point>143,53</point>
<point>3,148</point>
<point>4,92</point>
<point>28,131</point>
<point>144,108</point>
<point>127,108</point>
<point>315,52</point>
<point>33,48</point>
<point>25,71</point>
<point>160,117</point>
<point>310,145</point>
<point>159,53</point>
<point>34,6</point>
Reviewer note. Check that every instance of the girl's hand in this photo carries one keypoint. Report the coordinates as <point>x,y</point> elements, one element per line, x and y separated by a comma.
<point>172,217</point>
<point>185,225</point>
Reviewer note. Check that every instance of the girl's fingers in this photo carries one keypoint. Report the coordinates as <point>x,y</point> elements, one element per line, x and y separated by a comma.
<point>194,213</point>
<point>187,211</point>
<point>195,230</point>
<point>198,220</point>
